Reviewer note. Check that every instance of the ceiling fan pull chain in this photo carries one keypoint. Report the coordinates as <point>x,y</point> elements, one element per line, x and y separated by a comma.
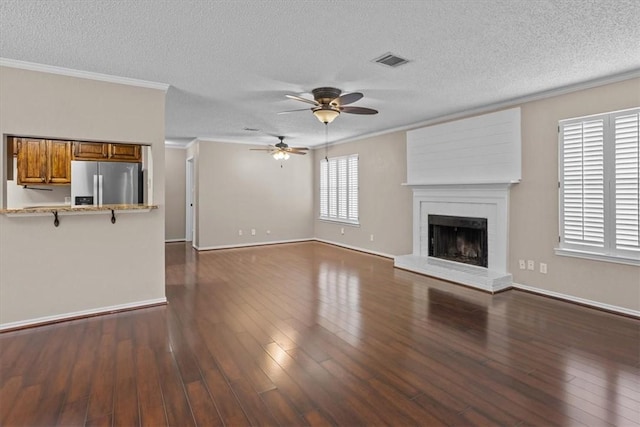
<point>326,142</point>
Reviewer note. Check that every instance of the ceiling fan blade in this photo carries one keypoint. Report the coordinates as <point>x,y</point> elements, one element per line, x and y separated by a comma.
<point>297,148</point>
<point>298,98</point>
<point>297,152</point>
<point>261,149</point>
<point>347,98</point>
<point>293,111</point>
<point>358,110</point>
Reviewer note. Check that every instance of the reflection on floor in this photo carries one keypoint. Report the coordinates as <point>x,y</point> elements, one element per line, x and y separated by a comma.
<point>312,334</point>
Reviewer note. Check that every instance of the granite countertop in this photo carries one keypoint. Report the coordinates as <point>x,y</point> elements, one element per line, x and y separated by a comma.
<point>69,208</point>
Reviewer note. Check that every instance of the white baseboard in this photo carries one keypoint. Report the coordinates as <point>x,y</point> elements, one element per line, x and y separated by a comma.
<point>82,313</point>
<point>578,300</point>
<point>173,240</point>
<point>246,245</point>
<point>355,248</point>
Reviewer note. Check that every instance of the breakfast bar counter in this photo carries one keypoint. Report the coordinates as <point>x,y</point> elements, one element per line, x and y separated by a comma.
<point>69,208</point>
<point>56,210</point>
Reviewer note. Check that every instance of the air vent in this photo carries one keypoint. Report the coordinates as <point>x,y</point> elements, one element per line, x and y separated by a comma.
<point>251,129</point>
<point>391,60</point>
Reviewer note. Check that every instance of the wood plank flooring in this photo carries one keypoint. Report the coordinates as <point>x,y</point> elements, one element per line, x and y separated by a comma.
<point>312,334</point>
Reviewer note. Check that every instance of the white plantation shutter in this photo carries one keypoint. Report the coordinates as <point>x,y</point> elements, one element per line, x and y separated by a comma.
<point>353,188</point>
<point>324,189</point>
<point>339,189</point>
<point>583,179</point>
<point>342,188</point>
<point>333,189</point>
<point>627,181</point>
<point>600,180</point>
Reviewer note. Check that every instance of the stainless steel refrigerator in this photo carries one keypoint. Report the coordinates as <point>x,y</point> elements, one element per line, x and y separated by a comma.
<point>105,183</point>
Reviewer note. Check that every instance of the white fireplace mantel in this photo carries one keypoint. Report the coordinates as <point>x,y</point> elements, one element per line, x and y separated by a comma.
<point>480,200</point>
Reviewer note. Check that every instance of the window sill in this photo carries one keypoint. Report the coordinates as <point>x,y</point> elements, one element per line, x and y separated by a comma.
<point>340,221</point>
<point>618,259</point>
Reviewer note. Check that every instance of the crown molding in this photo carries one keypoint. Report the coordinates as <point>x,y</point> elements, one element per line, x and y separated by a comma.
<point>51,69</point>
<point>515,102</point>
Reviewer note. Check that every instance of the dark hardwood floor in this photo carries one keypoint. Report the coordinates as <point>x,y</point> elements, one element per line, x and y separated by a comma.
<point>312,334</point>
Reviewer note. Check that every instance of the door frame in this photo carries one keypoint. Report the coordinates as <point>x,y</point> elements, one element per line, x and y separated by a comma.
<point>190,223</point>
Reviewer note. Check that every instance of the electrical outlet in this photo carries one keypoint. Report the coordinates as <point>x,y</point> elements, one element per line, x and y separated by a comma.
<point>268,232</point>
<point>531,265</point>
<point>543,268</point>
<point>239,232</point>
<point>371,238</point>
<point>253,231</point>
<point>522,264</point>
<point>342,230</point>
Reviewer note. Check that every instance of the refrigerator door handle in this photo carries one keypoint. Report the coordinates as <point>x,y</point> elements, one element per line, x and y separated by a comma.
<point>100,190</point>
<point>95,190</point>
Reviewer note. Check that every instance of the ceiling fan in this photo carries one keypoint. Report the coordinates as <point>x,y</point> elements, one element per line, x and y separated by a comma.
<point>328,103</point>
<point>281,151</point>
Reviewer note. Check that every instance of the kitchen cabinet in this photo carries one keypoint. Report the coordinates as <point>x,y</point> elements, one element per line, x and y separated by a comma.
<point>125,152</point>
<point>59,167</point>
<point>103,151</point>
<point>90,150</point>
<point>42,161</point>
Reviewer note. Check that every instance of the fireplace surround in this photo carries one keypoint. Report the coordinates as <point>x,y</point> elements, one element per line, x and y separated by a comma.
<point>478,202</point>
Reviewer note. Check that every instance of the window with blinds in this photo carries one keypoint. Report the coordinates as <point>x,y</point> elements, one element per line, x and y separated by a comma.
<point>599,184</point>
<point>339,189</point>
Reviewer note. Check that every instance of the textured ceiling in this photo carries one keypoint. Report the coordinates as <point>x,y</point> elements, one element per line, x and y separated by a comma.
<point>230,63</point>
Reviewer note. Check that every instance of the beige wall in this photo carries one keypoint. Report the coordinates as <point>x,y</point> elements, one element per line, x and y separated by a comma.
<point>175,193</point>
<point>385,205</point>
<point>86,263</point>
<point>238,189</point>
<point>533,230</point>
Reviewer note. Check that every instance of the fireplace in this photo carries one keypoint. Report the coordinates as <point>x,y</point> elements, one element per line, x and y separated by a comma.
<point>460,239</point>
<point>470,249</point>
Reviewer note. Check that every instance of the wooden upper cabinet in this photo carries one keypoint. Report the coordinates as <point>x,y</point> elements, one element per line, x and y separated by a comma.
<point>59,170</point>
<point>32,161</point>
<point>42,161</point>
<point>125,152</point>
<point>103,151</point>
<point>90,150</point>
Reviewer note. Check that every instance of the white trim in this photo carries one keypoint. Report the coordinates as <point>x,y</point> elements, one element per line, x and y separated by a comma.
<point>51,69</point>
<point>174,240</point>
<point>191,143</point>
<point>339,221</point>
<point>571,298</point>
<point>82,313</point>
<point>246,245</point>
<point>574,253</point>
<point>174,145</point>
<point>189,200</point>
<point>354,248</point>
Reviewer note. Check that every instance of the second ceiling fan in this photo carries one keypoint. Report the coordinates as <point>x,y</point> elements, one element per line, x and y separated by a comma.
<point>329,102</point>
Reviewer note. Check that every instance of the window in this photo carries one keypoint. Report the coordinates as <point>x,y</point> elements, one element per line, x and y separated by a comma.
<point>599,182</point>
<point>339,189</point>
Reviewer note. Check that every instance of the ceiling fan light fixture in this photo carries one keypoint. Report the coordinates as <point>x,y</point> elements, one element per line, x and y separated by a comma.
<point>281,155</point>
<point>325,113</point>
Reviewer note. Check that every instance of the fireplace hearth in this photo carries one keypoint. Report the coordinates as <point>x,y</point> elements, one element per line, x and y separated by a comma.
<point>459,239</point>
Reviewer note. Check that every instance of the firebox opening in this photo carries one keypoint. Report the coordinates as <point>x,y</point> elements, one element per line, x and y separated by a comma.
<point>460,239</point>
